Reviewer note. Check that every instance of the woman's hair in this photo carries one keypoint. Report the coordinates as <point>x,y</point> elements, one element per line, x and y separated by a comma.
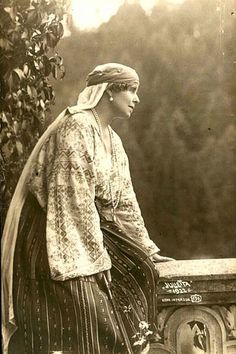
<point>112,73</point>
<point>118,87</point>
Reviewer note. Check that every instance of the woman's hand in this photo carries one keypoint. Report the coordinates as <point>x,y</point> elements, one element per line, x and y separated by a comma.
<point>156,258</point>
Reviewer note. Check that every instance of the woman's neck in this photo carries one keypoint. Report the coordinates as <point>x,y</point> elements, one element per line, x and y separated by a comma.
<point>104,114</point>
<point>103,119</point>
<point>102,122</point>
<point>105,132</point>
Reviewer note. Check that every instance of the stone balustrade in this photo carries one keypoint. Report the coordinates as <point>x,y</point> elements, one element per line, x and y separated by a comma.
<point>196,307</point>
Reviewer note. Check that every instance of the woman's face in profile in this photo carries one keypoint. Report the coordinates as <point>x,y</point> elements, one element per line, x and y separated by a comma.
<point>124,102</point>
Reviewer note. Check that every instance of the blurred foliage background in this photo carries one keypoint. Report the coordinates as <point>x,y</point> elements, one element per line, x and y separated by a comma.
<point>181,139</point>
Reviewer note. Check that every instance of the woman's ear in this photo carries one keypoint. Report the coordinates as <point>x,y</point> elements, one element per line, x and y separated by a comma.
<point>109,92</point>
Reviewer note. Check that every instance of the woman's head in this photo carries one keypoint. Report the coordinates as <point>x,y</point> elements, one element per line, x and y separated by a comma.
<point>112,73</point>
<point>122,86</point>
<point>113,83</point>
<point>122,98</point>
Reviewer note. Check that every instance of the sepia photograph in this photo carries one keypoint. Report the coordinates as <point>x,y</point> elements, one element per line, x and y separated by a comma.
<point>118,176</point>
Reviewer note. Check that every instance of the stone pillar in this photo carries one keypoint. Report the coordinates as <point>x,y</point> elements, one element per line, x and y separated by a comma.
<point>196,307</point>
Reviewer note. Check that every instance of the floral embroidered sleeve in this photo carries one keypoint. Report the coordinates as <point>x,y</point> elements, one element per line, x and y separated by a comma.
<point>74,239</point>
<point>129,216</point>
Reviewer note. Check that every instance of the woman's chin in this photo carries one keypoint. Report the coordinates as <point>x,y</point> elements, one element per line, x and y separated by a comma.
<point>124,116</point>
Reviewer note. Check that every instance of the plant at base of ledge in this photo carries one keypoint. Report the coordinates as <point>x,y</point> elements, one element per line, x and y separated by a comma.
<point>143,335</point>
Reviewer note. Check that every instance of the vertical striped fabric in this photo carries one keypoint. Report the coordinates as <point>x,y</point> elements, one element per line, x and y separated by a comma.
<point>76,316</point>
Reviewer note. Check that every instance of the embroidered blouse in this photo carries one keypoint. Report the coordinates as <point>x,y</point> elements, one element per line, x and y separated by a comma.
<point>78,184</point>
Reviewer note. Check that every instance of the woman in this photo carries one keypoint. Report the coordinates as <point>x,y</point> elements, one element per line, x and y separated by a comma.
<point>83,277</point>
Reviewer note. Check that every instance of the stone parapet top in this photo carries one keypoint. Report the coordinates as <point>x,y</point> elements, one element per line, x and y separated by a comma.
<point>203,268</point>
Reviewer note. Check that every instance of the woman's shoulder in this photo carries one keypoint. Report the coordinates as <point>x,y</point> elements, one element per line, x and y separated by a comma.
<point>80,116</point>
<point>79,120</point>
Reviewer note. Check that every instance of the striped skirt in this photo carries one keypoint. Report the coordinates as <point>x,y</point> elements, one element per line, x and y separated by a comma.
<point>84,315</point>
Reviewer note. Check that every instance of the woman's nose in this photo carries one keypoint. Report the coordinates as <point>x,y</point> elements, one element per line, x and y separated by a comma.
<point>136,99</point>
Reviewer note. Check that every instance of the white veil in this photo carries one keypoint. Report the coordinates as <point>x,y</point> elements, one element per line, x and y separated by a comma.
<point>88,99</point>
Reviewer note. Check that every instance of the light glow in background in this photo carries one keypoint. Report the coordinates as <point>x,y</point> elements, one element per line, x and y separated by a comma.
<point>90,14</point>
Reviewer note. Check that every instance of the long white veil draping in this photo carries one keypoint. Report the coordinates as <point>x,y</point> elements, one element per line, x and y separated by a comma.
<point>88,99</point>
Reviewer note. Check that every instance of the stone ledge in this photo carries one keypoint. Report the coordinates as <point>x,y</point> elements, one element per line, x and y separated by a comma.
<point>196,302</point>
<point>198,267</point>
<point>198,282</point>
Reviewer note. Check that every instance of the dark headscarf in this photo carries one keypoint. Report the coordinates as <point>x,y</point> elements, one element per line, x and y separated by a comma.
<point>112,73</point>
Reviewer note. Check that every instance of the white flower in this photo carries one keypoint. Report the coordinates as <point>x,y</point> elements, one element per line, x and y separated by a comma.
<point>141,337</point>
<point>127,308</point>
<point>140,341</point>
<point>148,332</point>
<point>143,325</point>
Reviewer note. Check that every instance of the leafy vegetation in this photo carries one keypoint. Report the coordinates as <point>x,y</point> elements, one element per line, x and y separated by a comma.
<point>29,30</point>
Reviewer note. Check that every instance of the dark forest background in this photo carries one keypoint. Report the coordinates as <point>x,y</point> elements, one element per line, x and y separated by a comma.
<point>181,139</point>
